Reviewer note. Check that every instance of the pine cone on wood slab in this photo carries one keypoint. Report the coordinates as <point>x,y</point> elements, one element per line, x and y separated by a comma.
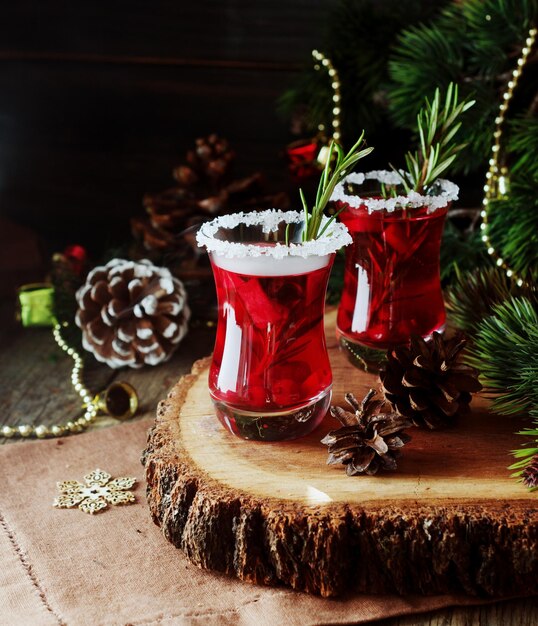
<point>370,438</point>
<point>427,383</point>
<point>131,313</point>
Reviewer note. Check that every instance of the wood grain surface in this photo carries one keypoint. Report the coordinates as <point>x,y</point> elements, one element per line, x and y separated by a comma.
<point>449,520</point>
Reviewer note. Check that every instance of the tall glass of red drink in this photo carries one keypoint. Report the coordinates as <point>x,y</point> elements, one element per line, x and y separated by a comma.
<point>392,287</point>
<point>270,377</point>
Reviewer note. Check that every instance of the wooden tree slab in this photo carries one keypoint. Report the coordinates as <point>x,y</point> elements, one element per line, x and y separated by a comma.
<point>450,519</point>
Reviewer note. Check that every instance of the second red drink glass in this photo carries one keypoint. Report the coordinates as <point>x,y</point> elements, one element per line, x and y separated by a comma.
<point>391,286</point>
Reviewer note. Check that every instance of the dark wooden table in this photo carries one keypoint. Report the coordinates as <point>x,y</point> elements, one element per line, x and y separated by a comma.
<point>35,389</point>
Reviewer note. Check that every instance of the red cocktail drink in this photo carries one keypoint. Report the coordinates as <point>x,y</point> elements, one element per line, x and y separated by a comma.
<point>270,377</point>
<point>391,279</point>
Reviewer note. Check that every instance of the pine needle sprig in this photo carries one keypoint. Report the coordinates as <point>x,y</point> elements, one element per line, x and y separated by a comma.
<point>472,296</point>
<point>338,164</point>
<point>504,350</point>
<point>474,41</point>
<point>437,125</point>
<point>513,227</point>
<point>523,147</point>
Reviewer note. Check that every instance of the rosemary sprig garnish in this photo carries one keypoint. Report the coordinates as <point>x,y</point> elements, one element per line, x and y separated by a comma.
<point>437,126</point>
<point>337,166</point>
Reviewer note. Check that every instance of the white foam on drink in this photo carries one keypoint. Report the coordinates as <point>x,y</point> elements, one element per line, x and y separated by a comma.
<point>263,266</point>
<point>266,258</point>
<point>447,192</point>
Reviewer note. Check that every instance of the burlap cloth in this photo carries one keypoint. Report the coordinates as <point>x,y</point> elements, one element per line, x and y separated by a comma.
<point>62,566</point>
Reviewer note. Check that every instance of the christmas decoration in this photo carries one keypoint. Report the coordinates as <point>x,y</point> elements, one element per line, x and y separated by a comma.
<point>36,302</point>
<point>119,400</point>
<point>205,188</point>
<point>323,61</point>
<point>518,242</point>
<point>131,313</point>
<point>98,492</point>
<point>77,257</point>
<point>369,440</point>
<point>306,157</point>
<point>426,383</point>
<point>302,156</point>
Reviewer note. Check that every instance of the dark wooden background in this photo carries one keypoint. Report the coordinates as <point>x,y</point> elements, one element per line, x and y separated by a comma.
<point>99,100</point>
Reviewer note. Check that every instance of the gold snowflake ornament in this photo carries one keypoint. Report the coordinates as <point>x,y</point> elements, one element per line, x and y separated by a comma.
<point>98,492</point>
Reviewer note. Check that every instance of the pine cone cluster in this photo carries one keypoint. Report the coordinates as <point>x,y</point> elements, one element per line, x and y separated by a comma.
<point>204,189</point>
<point>369,439</point>
<point>131,313</point>
<point>426,383</point>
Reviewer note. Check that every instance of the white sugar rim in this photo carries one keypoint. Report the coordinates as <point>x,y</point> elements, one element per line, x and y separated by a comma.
<point>448,193</point>
<point>335,237</point>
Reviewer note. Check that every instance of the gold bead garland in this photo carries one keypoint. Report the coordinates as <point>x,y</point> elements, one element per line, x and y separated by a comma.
<point>496,177</point>
<point>58,430</point>
<point>323,62</point>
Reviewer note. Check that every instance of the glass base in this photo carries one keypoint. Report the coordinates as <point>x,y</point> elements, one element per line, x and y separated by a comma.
<point>365,358</point>
<point>274,426</point>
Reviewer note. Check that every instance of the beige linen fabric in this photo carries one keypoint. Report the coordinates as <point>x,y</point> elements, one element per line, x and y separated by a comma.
<point>62,566</point>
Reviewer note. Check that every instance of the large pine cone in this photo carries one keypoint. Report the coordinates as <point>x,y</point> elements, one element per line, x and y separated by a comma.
<point>205,189</point>
<point>425,382</point>
<point>132,313</point>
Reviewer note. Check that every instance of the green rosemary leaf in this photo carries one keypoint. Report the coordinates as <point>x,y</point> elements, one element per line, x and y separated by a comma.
<point>437,126</point>
<point>337,165</point>
<point>442,167</point>
<point>450,135</point>
<point>306,215</point>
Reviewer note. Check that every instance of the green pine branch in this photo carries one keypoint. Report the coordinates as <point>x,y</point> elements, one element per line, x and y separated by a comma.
<point>472,296</point>
<point>474,43</point>
<point>513,228</point>
<point>523,148</point>
<point>504,350</point>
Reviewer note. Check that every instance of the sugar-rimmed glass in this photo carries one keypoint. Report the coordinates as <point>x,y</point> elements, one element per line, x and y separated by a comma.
<point>392,286</point>
<point>270,377</point>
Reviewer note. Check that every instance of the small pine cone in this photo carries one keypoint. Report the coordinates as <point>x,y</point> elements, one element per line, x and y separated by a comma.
<point>131,313</point>
<point>368,440</point>
<point>425,382</point>
<point>529,475</point>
